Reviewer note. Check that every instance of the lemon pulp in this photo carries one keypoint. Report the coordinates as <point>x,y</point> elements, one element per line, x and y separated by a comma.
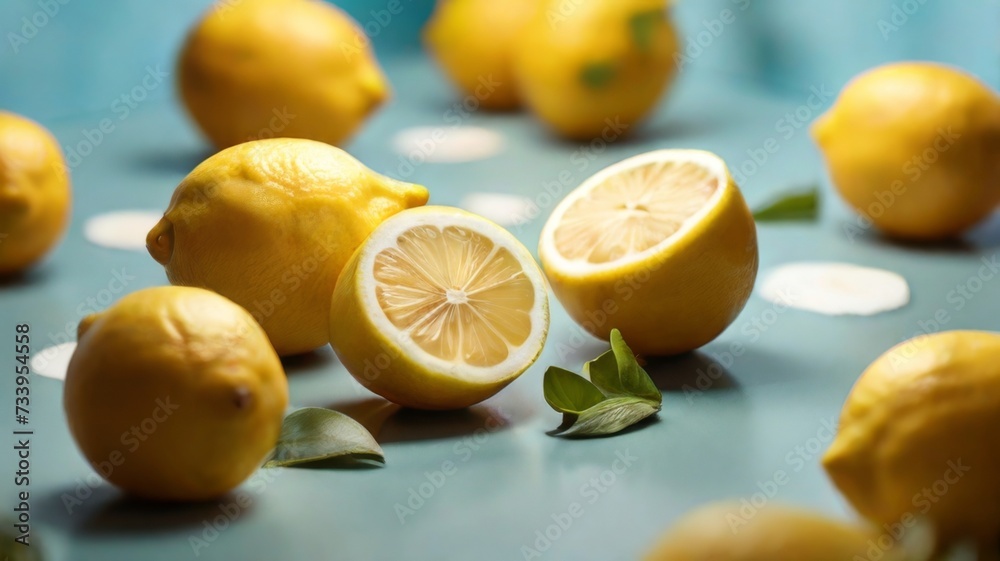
<point>633,211</point>
<point>456,294</point>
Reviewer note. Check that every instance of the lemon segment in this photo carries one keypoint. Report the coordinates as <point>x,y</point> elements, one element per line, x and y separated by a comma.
<point>458,296</point>
<point>439,309</point>
<point>661,246</point>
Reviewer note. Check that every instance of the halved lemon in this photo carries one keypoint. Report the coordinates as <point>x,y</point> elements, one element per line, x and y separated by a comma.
<point>661,246</point>
<point>439,309</point>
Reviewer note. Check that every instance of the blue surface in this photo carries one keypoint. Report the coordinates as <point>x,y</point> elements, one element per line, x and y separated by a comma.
<point>89,53</point>
<point>767,414</point>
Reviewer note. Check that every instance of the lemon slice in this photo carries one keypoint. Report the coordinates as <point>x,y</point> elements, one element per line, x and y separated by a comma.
<point>661,246</point>
<point>439,309</point>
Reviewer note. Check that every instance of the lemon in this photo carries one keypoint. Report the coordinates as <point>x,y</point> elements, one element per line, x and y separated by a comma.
<point>661,246</point>
<point>719,532</point>
<point>593,68</point>
<point>473,40</point>
<point>439,309</point>
<point>173,393</point>
<point>34,193</point>
<point>270,224</point>
<point>257,69</point>
<point>912,147</point>
<point>918,436</point>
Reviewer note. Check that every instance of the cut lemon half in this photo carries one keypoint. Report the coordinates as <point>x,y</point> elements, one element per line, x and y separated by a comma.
<point>439,309</point>
<point>661,246</point>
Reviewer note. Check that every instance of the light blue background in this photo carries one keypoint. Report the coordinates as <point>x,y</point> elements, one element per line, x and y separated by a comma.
<point>89,53</point>
<point>722,443</point>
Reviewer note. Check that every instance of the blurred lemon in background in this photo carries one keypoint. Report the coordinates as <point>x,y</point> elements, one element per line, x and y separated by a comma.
<point>439,309</point>
<point>593,68</point>
<point>918,437</point>
<point>34,192</point>
<point>259,69</point>
<point>660,246</point>
<point>725,531</point>
<point>473,40</point>
<point>174,393</point>
<point>270,224</point>
<point>915,148</point>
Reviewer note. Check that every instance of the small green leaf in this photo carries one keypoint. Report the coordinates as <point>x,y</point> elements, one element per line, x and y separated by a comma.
<point>797,206</point>
<point>567,392</point>
<point>643,26</point>
<point>605,362</point>
<point>598,75</point>
<point>313,434</point>
<point>623,377</point>
<point>608,417</point>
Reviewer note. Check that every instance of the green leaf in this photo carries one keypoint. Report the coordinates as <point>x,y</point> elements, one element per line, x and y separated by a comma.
<point>624,377</point>
<point>797,206</point>
<point>313,434</point>
<point>608,417</point>
<point>643,26</point>
<point>605,362</point>
<point>567,392</point>
<point>618,395</point>
<point>598,75</point>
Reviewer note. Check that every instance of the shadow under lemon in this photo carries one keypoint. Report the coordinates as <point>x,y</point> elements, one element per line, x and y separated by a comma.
<point>309,361</point>
<point>389,422</point>
<point>107,510</point>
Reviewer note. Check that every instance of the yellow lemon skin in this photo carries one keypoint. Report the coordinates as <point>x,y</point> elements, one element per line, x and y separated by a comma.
<point>270,224</point>
<point>913,147</point>
<point>918,436</point>
<point>473,41</point>
<point>259,69</point>
<point>34,193</point>
<point>173,393</point>
<point>718,532</point>
<point>676,300</point>
<point>596,68</point>
<point>381,365</point>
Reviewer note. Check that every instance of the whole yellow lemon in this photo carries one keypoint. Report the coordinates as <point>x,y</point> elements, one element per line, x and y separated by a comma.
<point>913,147</point>
<point>593,68</point>
<point>258,69</point>
<point>174,393</point>
<point>473,40</point>
<point>918,437</point>
<point>270,224</point>
<point>724,532</point>
<point>34,193</point>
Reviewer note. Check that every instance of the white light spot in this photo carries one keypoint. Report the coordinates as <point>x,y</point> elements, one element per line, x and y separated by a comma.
<point>53,361</point>
<point>503,209</point>
<point>456,297</point>
<point>447,144</point>
<point>835,288</point>
<point>125,229</point>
